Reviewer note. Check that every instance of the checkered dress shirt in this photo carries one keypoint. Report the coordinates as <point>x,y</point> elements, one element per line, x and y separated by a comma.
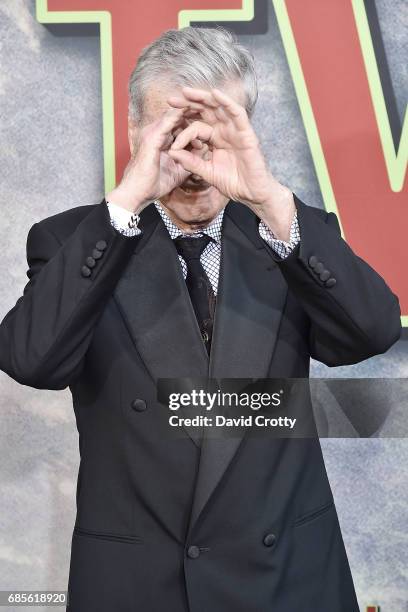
<point>211,256</point>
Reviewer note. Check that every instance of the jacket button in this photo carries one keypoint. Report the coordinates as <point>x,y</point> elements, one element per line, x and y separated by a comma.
<point>331,282</point>
<point>97,254</point>
<point>139,405</point>
<point>90,262</point>
<point>324,275</point>
<point>85,271</point>
<point>313,261</point>
<point>269,539</point>
<point>193,552</point>
<point>101,245</point>
<point>319,268</point>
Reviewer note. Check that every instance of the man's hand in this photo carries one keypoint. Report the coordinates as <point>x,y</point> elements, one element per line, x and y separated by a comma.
<point>237,167</point>
<point>151,172</point>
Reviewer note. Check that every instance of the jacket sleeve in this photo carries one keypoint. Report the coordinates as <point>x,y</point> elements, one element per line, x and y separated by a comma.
<point>353,313</point>
<point>44,337</point>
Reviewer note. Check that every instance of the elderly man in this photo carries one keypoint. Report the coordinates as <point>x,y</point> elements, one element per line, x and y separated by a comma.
<point>199,263</point>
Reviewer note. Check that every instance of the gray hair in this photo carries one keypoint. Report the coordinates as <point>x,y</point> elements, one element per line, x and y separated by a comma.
<point>193,57</point>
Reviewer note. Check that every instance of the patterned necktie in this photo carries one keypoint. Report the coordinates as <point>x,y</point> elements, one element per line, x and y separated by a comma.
<point>198,284</point>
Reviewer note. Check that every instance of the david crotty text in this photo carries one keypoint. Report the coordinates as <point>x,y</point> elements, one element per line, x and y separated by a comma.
<point>221,421</point>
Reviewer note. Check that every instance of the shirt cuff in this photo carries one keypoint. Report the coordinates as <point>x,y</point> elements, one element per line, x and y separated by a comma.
<point>281,247</point>
<point>122,219</point>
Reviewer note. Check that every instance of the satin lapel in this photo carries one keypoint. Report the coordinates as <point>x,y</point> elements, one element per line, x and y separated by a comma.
<point>251,297</point>
<point>154,301</point>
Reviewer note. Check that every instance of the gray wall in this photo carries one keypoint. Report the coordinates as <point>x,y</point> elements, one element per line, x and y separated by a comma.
<point>51,160</point>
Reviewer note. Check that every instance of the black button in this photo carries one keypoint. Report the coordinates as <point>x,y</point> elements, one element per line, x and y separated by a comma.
<point>193,552</point>
<point>269,539</point>
<point>319,267</point>
<point>97,254</point>
<point>331,282</point>
<point>85,271</point>
<point>324,275</point>
<point>313,261</point>
<point>139,405</point>
<point>90,262</point>
<point>101,245</point>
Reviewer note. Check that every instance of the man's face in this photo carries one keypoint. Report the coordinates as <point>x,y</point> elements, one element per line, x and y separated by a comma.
<point>193,204</point>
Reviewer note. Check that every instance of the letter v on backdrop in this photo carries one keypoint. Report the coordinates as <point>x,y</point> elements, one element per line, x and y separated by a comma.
<point>331,58</point>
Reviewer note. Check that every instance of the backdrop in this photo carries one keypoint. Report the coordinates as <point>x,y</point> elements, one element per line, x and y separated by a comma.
<point>333,85</point>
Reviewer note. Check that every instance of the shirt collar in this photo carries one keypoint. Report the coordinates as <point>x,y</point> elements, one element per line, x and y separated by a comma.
<point>213,230</point>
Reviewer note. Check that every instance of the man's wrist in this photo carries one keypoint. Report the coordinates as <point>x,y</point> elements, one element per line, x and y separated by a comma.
<point>277,211</point>
<point>281,247</point>
<point>131,203</point>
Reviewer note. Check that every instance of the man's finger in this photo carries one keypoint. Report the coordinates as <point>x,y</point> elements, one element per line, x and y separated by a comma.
<point>216,98</point>
<point>196,143</point>
<point>195,95</point>
<point>169,120</point>
<point>206,111</point>
<point>221,114</point>
<point>195,130</point>
<point>182,102</point>
<point>192,163</point>
<point>234,110</point>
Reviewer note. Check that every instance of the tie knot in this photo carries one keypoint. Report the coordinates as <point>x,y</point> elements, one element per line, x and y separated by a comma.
<point>190,247</point>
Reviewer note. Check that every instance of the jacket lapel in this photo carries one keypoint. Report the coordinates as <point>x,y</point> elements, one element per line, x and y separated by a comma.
<point>154,301</point>
<point>251,297</point>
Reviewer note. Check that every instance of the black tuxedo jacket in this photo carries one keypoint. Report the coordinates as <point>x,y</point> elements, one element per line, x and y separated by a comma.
<point>243,525</point>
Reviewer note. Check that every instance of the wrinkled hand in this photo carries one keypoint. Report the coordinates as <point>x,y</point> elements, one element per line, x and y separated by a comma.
<point>236,164</point>
<point>151,172</point>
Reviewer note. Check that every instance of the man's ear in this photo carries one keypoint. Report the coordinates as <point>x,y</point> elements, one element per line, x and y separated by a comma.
<point>132,134</point>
